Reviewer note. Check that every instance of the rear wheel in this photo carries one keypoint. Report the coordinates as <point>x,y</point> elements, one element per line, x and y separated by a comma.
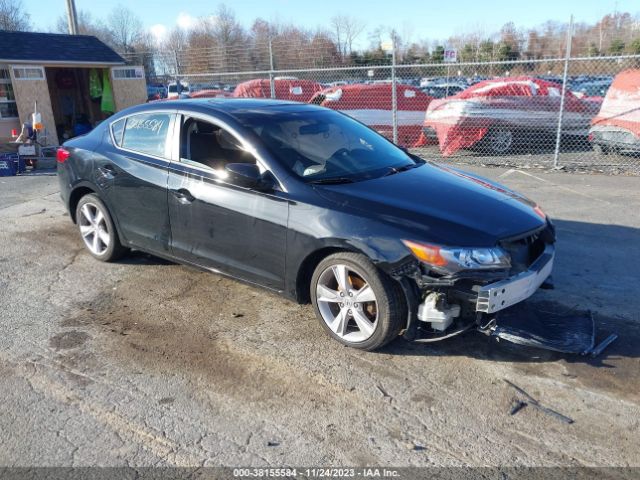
<point>97,229</point>
<point>499,140</point>
<point>356,303</point>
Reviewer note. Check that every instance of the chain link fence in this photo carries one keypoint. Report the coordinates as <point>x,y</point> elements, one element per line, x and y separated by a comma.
<point>547,113</point>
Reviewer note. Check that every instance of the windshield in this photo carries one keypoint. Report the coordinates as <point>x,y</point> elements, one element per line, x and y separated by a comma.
<point>325,146</point>
<point>173,88</point>
<point>594,90</point>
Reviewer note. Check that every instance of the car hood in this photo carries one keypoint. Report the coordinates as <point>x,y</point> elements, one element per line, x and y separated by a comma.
<point>440,204</point>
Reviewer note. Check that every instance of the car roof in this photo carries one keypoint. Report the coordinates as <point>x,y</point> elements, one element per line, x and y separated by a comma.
<point>231,106</point>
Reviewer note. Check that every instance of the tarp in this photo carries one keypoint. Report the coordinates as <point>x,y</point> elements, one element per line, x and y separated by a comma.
<point>211,93</point>
<point>95,87</point>
<point>621,105</point>
<point>285,89</point>
<point>107,105</point>
<point>519,103</point>
<point>371,105</point>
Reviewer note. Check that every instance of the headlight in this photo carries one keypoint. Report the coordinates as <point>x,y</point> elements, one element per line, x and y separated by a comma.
<point>452,260</point>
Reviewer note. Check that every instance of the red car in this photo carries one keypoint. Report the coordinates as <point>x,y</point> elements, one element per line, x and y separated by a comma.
<point>211,93</point>
<point>495,115</point>
<point>616,128</point>
<point>285,89</point>
<point>371,105</point>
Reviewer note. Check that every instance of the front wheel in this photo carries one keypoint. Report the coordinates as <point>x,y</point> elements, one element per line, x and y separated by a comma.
<point>357,304</point>
<point>601,150</point>
<point>97,229</point>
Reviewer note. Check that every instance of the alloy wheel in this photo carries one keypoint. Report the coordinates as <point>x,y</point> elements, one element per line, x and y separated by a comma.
<point>500,140</point>
<point>94,228</point>
<point>347,303</point>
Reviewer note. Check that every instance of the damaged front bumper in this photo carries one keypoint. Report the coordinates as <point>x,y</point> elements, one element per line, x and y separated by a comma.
<point>440,307</point>
<point>505,293</point>
<point>445,307</point>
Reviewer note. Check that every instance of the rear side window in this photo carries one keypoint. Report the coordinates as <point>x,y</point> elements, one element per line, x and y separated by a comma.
<point>146,133</point>
<point>117,128</point>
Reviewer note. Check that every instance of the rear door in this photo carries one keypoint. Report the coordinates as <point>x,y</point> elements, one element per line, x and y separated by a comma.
<point>133,172</point>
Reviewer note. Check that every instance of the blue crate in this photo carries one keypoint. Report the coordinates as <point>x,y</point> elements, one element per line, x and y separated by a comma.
<point>11,164</point>
<point>8,167</point>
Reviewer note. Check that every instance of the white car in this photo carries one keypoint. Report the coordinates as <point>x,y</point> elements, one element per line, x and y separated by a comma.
<point>172,89</point>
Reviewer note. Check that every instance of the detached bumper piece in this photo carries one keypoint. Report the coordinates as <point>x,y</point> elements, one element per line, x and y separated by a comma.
<point>532,326</point>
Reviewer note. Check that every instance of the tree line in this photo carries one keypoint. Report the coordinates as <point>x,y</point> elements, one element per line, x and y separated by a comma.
<point>220,43</point>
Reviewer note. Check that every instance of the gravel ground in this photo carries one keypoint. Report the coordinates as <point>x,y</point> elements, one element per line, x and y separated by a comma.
<point>575,156</point>
<point>149,363</point>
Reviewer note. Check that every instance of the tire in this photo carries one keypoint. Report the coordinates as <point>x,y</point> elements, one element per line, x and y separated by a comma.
<point>334,305</point>
<point>97,229</point>
<point>601,150</point>
<point>499,140</point>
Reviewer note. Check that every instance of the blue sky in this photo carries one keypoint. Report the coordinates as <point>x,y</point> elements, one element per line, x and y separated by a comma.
<point>420,19</point>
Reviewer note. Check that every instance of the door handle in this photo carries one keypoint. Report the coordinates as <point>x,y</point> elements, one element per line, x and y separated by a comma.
<point>183,195</point>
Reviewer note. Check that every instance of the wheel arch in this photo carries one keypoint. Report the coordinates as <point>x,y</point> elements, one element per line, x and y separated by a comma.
<point>76,194</point>
<point>308,266</point>
<point>86,188</point>
<point>328,247</point>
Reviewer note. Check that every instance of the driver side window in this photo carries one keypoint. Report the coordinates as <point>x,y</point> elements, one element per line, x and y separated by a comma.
<point>204,144</point>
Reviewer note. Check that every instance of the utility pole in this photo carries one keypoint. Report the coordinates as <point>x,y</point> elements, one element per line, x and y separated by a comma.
<point>72,17</point>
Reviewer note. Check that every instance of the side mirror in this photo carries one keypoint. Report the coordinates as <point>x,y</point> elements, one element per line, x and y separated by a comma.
<point>247,175</point>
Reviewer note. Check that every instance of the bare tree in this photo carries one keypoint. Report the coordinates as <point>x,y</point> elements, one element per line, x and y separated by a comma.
<point>125,27</point>
<point>225,34</point>
<point>177,39</point>
<point>86,26</point>
<point>345,31</point>
<point>13,16</point>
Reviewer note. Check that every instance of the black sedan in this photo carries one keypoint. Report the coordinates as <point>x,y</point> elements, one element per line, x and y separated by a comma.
<point>310,203</point>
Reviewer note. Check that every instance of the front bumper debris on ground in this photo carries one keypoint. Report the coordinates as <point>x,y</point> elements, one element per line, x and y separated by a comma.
<point>531,325</point>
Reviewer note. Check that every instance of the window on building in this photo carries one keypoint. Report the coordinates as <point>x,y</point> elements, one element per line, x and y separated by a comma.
<point>8,108</point>
<point>28,73</point>
<point>128,73</point>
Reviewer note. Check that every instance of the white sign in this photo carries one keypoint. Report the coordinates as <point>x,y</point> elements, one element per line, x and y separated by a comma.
<point>370,73</point>
<point>27,150</point>
<point>387,45</point>
<point>450,55</point>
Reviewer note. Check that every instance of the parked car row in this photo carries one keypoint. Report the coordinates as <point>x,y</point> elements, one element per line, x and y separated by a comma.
<point>492,115</point>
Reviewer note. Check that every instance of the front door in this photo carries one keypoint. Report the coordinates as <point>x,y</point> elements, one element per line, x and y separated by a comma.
<point>239,231</point>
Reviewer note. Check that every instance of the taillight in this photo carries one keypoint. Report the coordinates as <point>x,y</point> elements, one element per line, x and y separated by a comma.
<point>539,211</point>
<point>62,155</point>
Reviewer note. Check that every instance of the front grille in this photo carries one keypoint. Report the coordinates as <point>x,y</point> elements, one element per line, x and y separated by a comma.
<point>526,249</point>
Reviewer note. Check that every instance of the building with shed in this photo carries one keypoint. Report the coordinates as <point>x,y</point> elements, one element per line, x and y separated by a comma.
<point>74,81</point>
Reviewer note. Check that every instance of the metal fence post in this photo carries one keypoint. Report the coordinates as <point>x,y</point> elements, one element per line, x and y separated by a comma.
<point>272,85</point>
<point>562,93</point>
<point>177,70</point>
<point>394,93</point>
